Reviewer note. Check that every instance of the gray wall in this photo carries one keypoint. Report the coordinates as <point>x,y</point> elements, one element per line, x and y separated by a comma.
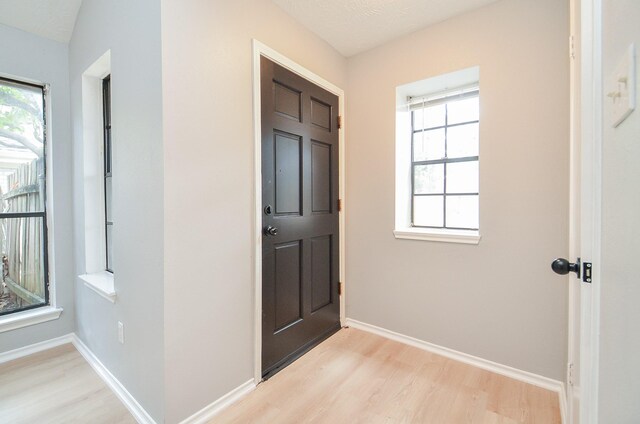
<point>620,290</point>
<point>29,56</point>
<point>208,129</point>
<point>131,29</point>
<point>497,300</point>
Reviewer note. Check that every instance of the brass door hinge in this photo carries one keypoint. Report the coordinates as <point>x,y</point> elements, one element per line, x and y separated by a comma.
<point>339,121</point>
<point>340,288</point>
<point>339,205</point>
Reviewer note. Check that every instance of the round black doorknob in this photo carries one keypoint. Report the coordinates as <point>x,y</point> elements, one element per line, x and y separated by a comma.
<point>271,231</point>
<point>562,266</point>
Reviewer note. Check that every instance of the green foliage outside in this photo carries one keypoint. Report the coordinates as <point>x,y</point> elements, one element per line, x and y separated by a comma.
<point>21,117</point>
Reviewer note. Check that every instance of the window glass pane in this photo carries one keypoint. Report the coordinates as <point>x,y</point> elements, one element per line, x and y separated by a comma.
<point>428,179</point>
<point>463,111</point>
<point>107,198</point>
<point>22,249</point>
<point>429,117</point>
<point>428,145</point>
<point>462,177</point>
<point>462,212</point>
<point>462,141</point>
<point>110,247</point>
<point>428,211</point>
<point>21,148</point>
<point>107,151</point>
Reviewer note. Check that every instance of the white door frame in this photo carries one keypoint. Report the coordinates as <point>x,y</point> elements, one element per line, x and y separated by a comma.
<point>572,395</point>
<point>260,49</point>
<point>591,201</point>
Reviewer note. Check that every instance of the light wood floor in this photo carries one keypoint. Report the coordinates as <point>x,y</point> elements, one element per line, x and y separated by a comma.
<point>357,377</point>
<point>57,386</point>
<point>353,377</point>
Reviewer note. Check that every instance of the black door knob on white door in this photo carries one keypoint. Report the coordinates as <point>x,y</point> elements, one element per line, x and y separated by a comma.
<point>562,266</point>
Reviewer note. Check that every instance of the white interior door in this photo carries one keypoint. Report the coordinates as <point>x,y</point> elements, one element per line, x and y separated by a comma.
<point>586,136</point>
<point>590,204</point>
<point>573,366</point>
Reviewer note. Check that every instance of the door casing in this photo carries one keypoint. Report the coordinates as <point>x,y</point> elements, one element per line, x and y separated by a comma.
<point>586,198</point>
<point>591,202</point>
<point>260,49</point>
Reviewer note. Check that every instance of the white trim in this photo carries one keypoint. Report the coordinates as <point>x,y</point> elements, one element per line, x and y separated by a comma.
<point>93,228</point>
<point>29,317</point>
<point>260,49</point>
<point>49,201</point>
<point>562,398</point>
<point>447,236</point>
<point>112,382</point>
<point>214,408</point>
<point>573,351</point>
<point>21,352</point>
<point>591,192</point>
<point>101,283</point>
<point>507,371</point>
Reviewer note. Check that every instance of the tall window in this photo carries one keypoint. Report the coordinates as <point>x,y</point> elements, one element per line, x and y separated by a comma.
<point>23,215</point>
<point>108,195</point>
<point>444,160</point>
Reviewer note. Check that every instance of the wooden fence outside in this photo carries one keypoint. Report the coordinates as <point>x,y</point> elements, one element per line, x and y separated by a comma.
<point>21,239</point>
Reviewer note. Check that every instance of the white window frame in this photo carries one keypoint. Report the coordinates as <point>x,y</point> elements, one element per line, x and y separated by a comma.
<point>403,201</point>
<point>95,277</point>
<point>51,311</point>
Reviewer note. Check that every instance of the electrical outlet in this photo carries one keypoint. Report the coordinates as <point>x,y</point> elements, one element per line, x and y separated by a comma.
<point>121,332</point>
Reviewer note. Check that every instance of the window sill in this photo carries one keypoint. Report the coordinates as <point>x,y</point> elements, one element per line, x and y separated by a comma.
<point>101,283</point>
<point>432,234</point>
<point>30,317</point>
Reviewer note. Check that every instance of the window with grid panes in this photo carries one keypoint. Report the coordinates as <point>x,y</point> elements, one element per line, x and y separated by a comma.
<point>23,208</point>
<point>445,161</point>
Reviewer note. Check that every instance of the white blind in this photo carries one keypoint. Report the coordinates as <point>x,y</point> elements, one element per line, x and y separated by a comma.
<point>458,93</point>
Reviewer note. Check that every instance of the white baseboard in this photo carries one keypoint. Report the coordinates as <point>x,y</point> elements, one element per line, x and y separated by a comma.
<point>119,390</point>
<point>507,371</point>
<point>564,409</point>
<point>35,348</point>
<point>112,382</point>
<point>209,411</point>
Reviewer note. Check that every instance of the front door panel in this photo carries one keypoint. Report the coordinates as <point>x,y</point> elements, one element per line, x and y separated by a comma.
<point>300,301</point>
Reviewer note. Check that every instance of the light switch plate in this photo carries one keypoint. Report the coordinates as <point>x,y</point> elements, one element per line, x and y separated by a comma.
<point>622,88</point>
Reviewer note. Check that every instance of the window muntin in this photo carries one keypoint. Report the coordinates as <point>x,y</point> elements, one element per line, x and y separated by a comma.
<point>445,162</point>
<point>23,216</point>
<point>108,191</point>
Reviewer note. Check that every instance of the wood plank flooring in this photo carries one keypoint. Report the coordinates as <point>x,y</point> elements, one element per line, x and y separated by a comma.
<point>357,377</point>
<point>57,386</point>
<point>352,377</point>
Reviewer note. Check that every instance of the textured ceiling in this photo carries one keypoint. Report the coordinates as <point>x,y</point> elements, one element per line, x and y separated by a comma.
<point>52,19</point>
<point>353,26</point>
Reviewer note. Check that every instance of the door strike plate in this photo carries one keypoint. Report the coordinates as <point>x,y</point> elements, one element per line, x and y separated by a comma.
<point>586,272</point>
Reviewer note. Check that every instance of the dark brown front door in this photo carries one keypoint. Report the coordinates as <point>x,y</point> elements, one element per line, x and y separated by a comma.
<point>300,268</point>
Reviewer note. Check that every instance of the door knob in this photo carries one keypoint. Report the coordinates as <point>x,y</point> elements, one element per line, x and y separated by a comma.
<point>562,266</point>
<point>271,231</point>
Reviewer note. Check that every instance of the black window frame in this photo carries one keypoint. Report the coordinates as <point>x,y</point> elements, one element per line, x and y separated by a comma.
<point>43,214</point>
<point>475,93</point>
<point>107,166</point>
